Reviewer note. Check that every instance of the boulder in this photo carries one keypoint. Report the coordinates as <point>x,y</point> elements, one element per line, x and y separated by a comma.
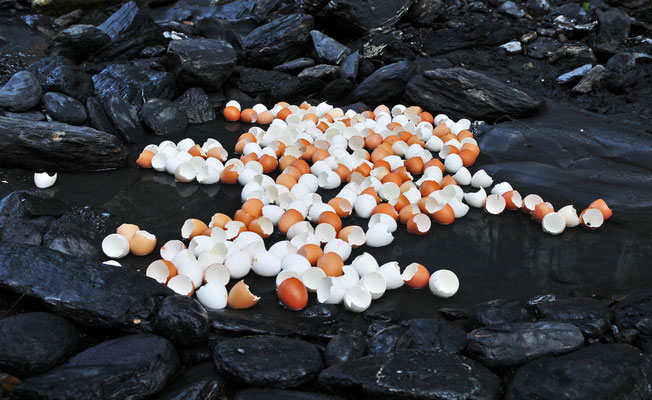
<point>124,118</point>
<point>97,117</point>
<point>321,71</point>
<point>133,83</point>
<point>634,308</point>
<point>18,212</point>
<point>78,42</point>
<point>358,16</point>
<point>42,68</point>
<point>70,81</point>
<point>21,93</point>
<point>272,86</point>
<point>268,361</point>
<point>386,83</point>
<point>414,374</point>
<point>614,27</point>
<point>79,233</point>
<point>195,104</point>
<point>432,334</point>
<point>197,383</point>
<point>34,343</point>
<point>162,117</point>
<point>459,92</point>
<point>183,320</point>
<point>204,62</point>
<point>590,315</point>
<point>515,343</point>
<point>129,367</point>
<point>344,347</point>
<point>329,50</point>
<point>58,7</point>
<point>64,108</point>
<point>129,18</point>
<point>600,371</point>
<point>425,12</point>
<point>280,40</point>
<point>349,67</point>
<point>498,311</point>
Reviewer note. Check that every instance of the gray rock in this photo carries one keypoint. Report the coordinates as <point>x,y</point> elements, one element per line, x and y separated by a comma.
<point>513,47</point>
<point>163,118</point>
<point>542,47</point>
<point>572,56</point>
<point>282,39</point>
<point>17,212</point>
<point>34,343</point>
<point>268,361</point>
<point>512,9</point>
<point>64,108</point>
<point>572,11</point>
<point>130,367</point>
<point>573,75</point>
<point>537,8</point>
<point>21,93</point>
<point>622,62</point>
<point>68,19</point>
<point>28,115</point>
<point>344,347</point>
<point>411,374</point>
<point>294,66</point>
<point>197,383</point>
<point>385,83</point>
<point>98,118</point>
<point>425,12</point>
<point>321,71</point>
<point>133,83</point>
<point>196,106</point>
<point>516,343</point>
<point>79,233</point>
<point>498,311</point>
<point>124,118</point>
<point>44,67</point>
<point>71,81</point>
<point>58,7</point>
<point>128,18</point>
<point>79,42</point>
<point>644,325</point>
<point>432,334</point>
<point>590,81</point>
<point>601,371</point>
<point>349,67</point>
<point>614,28</point>
<point>328,49</point>
<point>460,92</point>
<point>359,15</point>
<point>183,320</point>
<point>590,315</point>
<point>205,62</point>
<point>633,308</point>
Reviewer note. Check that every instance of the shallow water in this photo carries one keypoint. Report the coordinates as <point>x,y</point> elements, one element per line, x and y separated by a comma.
<point>493,256</point>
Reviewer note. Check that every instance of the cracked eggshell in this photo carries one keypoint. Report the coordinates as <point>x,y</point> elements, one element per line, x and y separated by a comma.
<point>382,218</point>
<point>501,188</point>
<point>365,263</point>
<point>379,235</point>
<point>364,205</point>
<point>350,276</point>
<point>495,204</point>
<point>142,243</point>
<point>266,263</point>
<point>217,273</point>
<point>115,246</point>
<point>283,275</point>
<point>182,285</point>
<point>592,218</point>
<point>416,276</point>
<point>357,299</point>
<point>43,180</point>
<point>340,247</point>
<point>444,283</point>
<point>311,278</point>
<point>476,199</point>
<point>570,216</point>
<point>282,249</point>
<point>194,271</point>
<point>293,294</point>
<point>481,179</point>
<point>240,297</point>
<point>553,223</point>
<point>295,262</point>
<point>391,271</point>
<point>213,296</point>
<point>330,290</point>
<point>161,271</point>
<point>375,283</point>
<point>239,264</point>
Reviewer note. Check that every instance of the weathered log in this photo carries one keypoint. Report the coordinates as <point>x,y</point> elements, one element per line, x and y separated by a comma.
<point>57,146</point>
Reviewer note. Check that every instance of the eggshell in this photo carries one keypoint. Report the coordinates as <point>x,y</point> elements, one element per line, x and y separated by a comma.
<point>296,263</point>
<point>392,274</point>
<point>311,278</point>
<point>444,215</point>
<point>541,210</point>
<point>233,229</point>
<point>240,297</point>
<point>262,226</point>
<point>553,223</point>
<point>341,206</point>
<point>592,218</point>
<point>354,235</point>
<point>570,216</point>
<point>127,230</point>
<point>142,243</point>
<point>357,299</point>
<point>365,263</point>
<point>513,200</point>
<point>293,294</point>
<point>217,273</point>
<point>444,283</point>
<point>416,275</point>
<point>192,227</point>
<point>501,188</point>
<point>603,207</point>
<point>481,179</point>
<point>218,220</point>
<point>495,204</point>
<point>330,290</point>
<point>194,271</point>
<point>339,246</point>
<point>364,205</point>
<point>419,224</point>
<point>182,285</point>
<point>375,283</point>
<point>289,218</point>
<point>115,246</point>
<point>239,264</point>
<point>476,199</point>
<point>43,180</point>
<point>213,296</point>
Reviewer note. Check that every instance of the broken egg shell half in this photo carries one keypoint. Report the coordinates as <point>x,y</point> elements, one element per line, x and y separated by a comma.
<point>592,218</point>
<point>553,223</point>
<point>391,271</point>
<point>240,297</point>
<point>43,180</point>
<point>266,263</point>
<point>127,230</point>
<point>357,299</point>
<point>217,273</point>
<point>444,283</point>
<point>143,243</point>
<point>570,216</point>
<point>416,276</point>
<point>182,285</point>
<point>239,264</point>
<point>115,246</point>
<point>161,271</point>
<point>213,295</point>
<point>375,283</point>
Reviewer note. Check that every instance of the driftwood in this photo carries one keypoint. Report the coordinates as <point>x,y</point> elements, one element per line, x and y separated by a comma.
<point>55,146</point>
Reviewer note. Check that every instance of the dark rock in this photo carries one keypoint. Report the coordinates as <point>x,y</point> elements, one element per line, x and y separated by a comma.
<point>328,49</point>
<point>241,97</point>
<point>644,342</point>
<point>127,19</point>
<point>453,313</point>
<point>98,118</point>
<point>206,62</point>
<point>590,81</point>
<point>79,42</point>
<point>321,314</point>
<point>384,84</point>
<point>542,47</point>
<point>345,347</point>
<point>215,27</point>
<point>425,12</point>
<point>153,51</point>
<point>627,336</point>
<point>479,7</point>
<point>356,14</point>
<point>130,367</point>
<point>590,315</point>
<point>573,75</point>
<point>409,374</point>
<point>124,118</point>
<point>266,394</point>
<point>272,86</point>
<point>622,62</point>
<point>432,334</point>
<point>460,92</point>
<point>33,343</point>
<point>190,356</point>
<point>572,11</point>
<point>68,19</point>
<point>572,56</point>
<point>21,93</point>
<point>321,71</point>
<point>382,337</point>
<point>280,40</point>
<point>349,67</point>
<point>633,308</point>
<point>196,106</point>
<point>358,107</point>
<point>59,7</point>
<point>336,91</point>
<point>614,26</point>
<point>537,8</point>
<point>163,118</point>
<point>43,223</point>
<point>601,371</point>
<point>28,115</point>
<point>160,3</point>
<point>130,45</point>
<point>645,326</point>
<point>42,68</point>
<point>183,320</point>
<point>197,383</point>
<point>518,342</point>
<point>70,81</point>
<point>512,9</point>
<point>268,361</point>
<point>296,65</point>
<point>498,311</point>
<point>383,49</point>
<point>64,108</point>
<point>79,233</point>
<point>18,210</point>
<point>133,83</point>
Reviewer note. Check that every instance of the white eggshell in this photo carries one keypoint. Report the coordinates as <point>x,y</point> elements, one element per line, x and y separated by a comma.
<point>213,295</point>
<point>115,246</point>
<point>239,264</point>
<point>365,263</point>
<point>266,263</point>
<point>392,274</point>
<point>357,299</point>
<point>43,180</point>
<point>443,283</point>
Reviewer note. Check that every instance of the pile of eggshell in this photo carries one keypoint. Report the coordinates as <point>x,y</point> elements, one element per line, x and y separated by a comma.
<point>378,156</point>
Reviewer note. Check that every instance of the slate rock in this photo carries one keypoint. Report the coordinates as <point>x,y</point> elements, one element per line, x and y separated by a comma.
<point>321,71</point>
<point>633,308</point>
<point>384,49</point>
<point>432,334</point>
<point>129,45</point>
<point>425,12</point>
<point>410,374</point>
<point>295,66</point>
<point>627,336</point>
<point>588,314</point>
<point>600,371</point>
<point>644,325</point>
<point>19,209</point>
<point>272,86</point>
<point>205,62</point>
<point>195,104</point>
<point>21,93</point>
<point>78,42</point>
<point>573,11</point>
<point>268,361</point>
<point>349,67</point>
<point>70,81</point>
<point>266,394</point>
<point>344,347</point>
<point>28,115</point>
<point>518,342</point>
<point>129,367</point>
<point>197,383</point>
<point>357,14</point>
<point>133,83</point>
<point>124,118</point>
<point>58,7</point>
<point>542,47</point>
<point>33,343</point>
<point>592,80</point>
<point>336,91</point>
<point>129,18</point>
<point>383,337</point>
<point>461,92</point>
<point>79,233</point>
<point>64,108</point>
<point>573,75</point>
<point>386,83</point>
<point>320,314</point>
<point>622,62</point>
<point>537,8</point>
<point>153,51</point>
<point>512,9</point>
<point>42,68</point>
<point>282,39</point>
<point>614,26</point>
<point>183,320</point>
<point>68,19</point>
<point>328,49</point>
<point>163,118</point>
<point>572,55</point>
<point>98,118</point>
<point>498,311</point>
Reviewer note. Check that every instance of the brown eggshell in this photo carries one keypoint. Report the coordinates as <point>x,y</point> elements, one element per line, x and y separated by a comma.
<point>240,297</point>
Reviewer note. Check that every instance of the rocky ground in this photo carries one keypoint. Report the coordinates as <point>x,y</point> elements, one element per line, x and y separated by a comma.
<point>111,78</point>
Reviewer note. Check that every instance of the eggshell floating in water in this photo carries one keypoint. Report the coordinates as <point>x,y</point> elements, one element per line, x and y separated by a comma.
<point>293,294</point>
<point>240,297</point>
<point>375,283</point>
<point>182,285</point>
<point>127,230</point>
<point>213,296</point>
<point>391,271</point>
<point>603,207</point>
<point>444,283</point>
<point>142,243</point>
<point>43,180</point>
<point>311,278</point>
<point>330,290</point>
<point>570,216</point>
<point>115,246</point>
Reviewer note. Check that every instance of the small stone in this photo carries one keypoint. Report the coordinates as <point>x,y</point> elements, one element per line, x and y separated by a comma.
<point>124,118</point>
<point>512,9</point>
<point>68,19</point>
<point>205,62</point>
<point>498,311</point>
<point>71,81</point>
<point>295,65</point>
<point>21,93</point>
<point>591,80</point>
<point>98,118</point>
<point>196,106</point>
<point>537,8</point>
<point>129,18</point>
<point>321,71</point>
<point>622,62</point>
<point>345,347</point>
<point>513,47</point>
<point>528,37</point>
<point>573,75</point>
<point>64,108</point>
<point>328,49</point>
<point>349,67</point>
<point>78,42</point>
<point>163,118</point>
<point>572,56</point>
<point>588,314</point>
<point>282,39</point>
